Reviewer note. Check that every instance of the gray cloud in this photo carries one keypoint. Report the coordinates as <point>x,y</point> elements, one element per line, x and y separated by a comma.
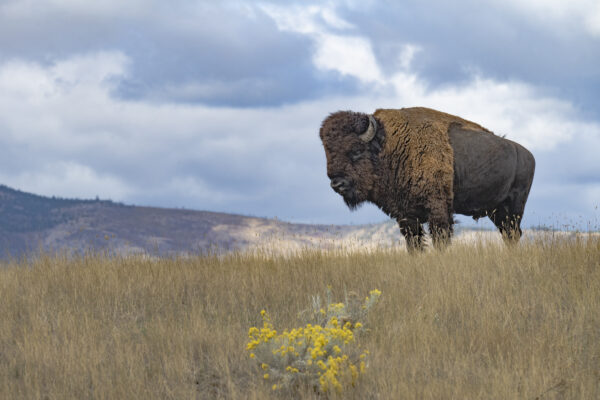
<point>460,38</point>
<point>189,54</point>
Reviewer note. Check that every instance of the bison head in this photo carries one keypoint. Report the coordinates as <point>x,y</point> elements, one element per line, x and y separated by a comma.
<point>352,142</point>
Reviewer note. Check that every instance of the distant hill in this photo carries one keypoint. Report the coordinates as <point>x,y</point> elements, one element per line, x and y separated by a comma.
<point>30,222</point>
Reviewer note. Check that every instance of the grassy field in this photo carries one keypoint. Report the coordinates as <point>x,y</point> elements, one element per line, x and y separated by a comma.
<point>472,322</point>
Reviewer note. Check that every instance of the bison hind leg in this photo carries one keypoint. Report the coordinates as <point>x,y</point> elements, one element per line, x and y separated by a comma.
<point>508,222</point>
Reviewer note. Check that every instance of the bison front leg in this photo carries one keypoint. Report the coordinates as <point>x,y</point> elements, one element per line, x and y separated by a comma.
<point>441,233</point>
<point>413,232</point>
<point>441,226</point>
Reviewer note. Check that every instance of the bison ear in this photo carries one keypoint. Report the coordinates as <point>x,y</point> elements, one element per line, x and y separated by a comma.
<point>369,133</point>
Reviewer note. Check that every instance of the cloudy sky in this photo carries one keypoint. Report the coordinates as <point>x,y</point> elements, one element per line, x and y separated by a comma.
<point>216,105</point>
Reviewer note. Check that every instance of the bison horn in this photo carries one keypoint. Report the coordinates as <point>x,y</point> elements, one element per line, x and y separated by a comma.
<point>369,134</point>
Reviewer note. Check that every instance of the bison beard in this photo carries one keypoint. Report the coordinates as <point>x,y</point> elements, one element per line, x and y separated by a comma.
<point>351,200</point>
<point>420,165</point>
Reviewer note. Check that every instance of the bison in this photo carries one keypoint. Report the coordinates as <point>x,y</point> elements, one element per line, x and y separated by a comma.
<point>420,166</point>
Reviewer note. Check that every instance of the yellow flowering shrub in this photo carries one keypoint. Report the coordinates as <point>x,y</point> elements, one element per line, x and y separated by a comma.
<point>323,354</point>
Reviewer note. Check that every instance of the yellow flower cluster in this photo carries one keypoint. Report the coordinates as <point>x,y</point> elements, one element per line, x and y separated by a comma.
<point>325,355</point>
<point>258,335</point>
<point>333,370</point>
<point>336,307</point>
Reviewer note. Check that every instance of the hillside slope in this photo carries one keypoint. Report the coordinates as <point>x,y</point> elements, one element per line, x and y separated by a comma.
<point>30,222</point>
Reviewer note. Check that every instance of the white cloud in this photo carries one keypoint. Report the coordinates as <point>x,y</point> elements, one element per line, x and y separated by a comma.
<point>295,19</point>
<point>515,109</point>
<point>311,19</point>
<point>348,55</point>
<point>58,105</point>
<point>333,20</point>
<point>407,55</point>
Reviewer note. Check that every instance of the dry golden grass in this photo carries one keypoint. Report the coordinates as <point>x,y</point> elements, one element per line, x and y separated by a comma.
<point>472,322</point>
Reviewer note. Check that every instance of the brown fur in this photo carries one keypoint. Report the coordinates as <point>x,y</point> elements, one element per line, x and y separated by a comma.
<point>418,149</point>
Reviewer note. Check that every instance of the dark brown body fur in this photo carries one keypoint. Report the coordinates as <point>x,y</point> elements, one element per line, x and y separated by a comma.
<point>423,166</point>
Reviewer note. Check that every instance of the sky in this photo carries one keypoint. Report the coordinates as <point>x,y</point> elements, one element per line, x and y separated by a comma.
<point>216,105</point>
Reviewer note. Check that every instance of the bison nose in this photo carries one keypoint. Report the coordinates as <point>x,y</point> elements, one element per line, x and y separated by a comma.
<point>339,184</point>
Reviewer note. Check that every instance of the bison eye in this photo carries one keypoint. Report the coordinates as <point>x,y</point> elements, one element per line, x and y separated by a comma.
<point>356,154</point>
